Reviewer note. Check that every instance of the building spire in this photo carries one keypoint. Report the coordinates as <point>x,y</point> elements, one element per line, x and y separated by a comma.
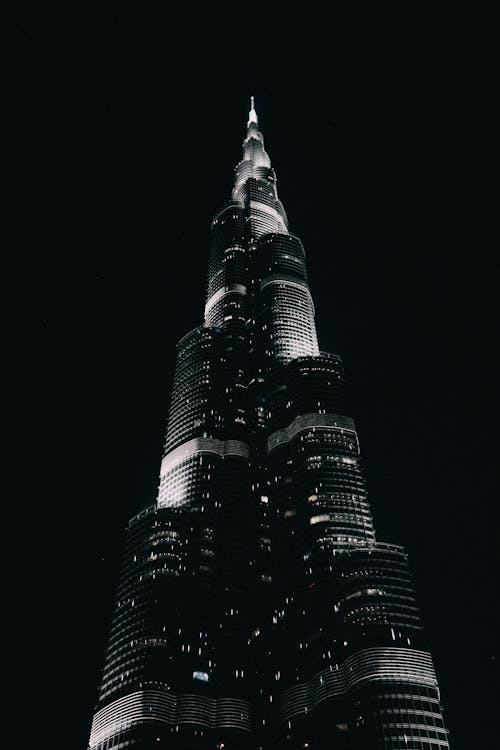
<point>254,158</point>
<point>252,115</point>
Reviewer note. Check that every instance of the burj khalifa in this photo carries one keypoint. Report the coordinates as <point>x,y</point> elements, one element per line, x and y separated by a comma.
<point>256,607</point>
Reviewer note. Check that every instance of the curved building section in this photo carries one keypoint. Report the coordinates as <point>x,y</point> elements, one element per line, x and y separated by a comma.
<point>143,715</point>
<point>227,272</point>
<point>316,450</point>
<point>177,654</point>
<point>403,665</point>
<point>283,303</point>
<point>317,384</point>
<point>227,304</point>
<point>182,471</point>
<point>280,254</point>
<point>318,486</point>
<point>347,663</point>
<point>287,314</point>
<point>368,678</point>
<point>265,214</point>
<point>377,698</point>
<point>307,385</point>
<point>197,403</point>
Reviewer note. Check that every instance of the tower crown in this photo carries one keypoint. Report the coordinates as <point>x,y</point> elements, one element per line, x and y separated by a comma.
<point>255,160</point>
<point>252,115</point>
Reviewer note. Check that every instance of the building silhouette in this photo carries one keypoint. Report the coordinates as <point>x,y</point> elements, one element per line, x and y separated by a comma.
<point>255,607</point>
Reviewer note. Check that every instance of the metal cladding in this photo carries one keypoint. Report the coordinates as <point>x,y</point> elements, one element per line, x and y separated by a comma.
<point>256,609</point>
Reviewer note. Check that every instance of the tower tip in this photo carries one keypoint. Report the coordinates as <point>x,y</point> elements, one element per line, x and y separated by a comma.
<point>252,115</point>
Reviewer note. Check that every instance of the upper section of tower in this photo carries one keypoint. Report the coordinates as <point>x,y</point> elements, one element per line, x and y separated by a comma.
<point>253,145</point>
<point>255,162</point>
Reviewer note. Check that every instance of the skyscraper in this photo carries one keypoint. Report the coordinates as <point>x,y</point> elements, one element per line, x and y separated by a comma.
<point>256,607</point>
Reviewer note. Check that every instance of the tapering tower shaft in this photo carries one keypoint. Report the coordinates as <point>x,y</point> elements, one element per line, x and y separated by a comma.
<point>256,608</point>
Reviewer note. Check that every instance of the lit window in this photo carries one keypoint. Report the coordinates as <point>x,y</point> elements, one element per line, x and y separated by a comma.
<point>203,676</point>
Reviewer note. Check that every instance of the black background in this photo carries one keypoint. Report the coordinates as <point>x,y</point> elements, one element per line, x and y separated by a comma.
<point>124,130</point>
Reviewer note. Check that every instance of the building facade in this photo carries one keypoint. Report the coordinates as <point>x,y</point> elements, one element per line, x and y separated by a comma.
<point>256,607</point>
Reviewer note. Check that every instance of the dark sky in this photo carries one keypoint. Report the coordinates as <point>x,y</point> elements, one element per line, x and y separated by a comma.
<point>124,130</point>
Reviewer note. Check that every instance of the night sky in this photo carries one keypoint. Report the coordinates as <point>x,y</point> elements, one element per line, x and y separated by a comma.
<point>125,128</point>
